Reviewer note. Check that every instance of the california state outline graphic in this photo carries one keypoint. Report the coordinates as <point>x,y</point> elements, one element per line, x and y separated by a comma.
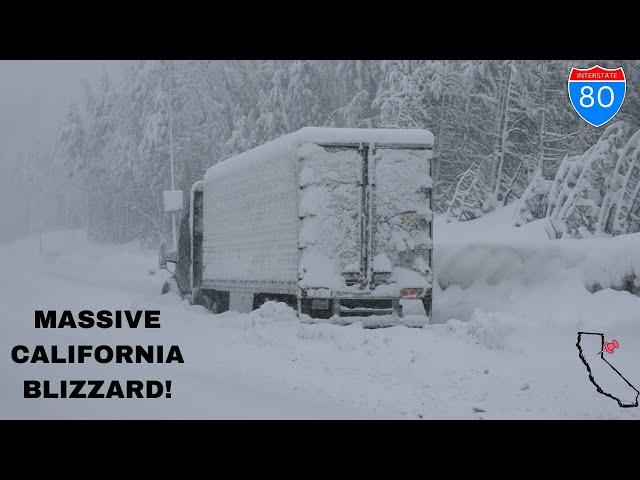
<point>606,378</point>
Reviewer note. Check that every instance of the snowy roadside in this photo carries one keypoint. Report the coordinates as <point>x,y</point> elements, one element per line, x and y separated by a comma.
<point>504,346</point>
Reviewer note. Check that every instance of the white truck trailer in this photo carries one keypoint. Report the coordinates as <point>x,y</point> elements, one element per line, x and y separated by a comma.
<point>332,221</point>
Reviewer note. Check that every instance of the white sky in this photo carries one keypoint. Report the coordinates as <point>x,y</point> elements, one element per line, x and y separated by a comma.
<point>34,96</point>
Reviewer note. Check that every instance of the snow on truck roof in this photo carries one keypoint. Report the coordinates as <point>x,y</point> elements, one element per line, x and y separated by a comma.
<point>367,135</point>
<point>321,135</point>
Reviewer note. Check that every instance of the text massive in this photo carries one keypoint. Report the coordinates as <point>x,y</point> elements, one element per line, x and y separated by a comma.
<point>101,319</point>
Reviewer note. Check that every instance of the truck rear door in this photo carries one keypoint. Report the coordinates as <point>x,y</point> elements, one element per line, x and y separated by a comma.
<point>400,215</point>
<point>331,202</point>
<point>365,215</point>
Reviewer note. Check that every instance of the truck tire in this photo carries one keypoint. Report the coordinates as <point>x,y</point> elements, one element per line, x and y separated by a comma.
<point>204,298</point>
<point>196,297</point>
<point>219,301</point>
<point>260,299</point>
<point>209,303</point>
<point>212,300</point>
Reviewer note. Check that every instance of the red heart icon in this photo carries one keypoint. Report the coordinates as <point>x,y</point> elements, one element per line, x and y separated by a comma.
<point>609,347</point>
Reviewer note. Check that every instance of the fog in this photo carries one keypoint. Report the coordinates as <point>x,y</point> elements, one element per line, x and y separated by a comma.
<point>498,139</point>
<point>34,96</point>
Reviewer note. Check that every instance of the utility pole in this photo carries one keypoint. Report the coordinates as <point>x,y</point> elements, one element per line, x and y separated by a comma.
<point>173,186</point>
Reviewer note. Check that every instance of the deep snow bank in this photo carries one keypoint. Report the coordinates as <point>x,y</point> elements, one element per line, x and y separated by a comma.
<point>504,350</point>
<point>492,252</point>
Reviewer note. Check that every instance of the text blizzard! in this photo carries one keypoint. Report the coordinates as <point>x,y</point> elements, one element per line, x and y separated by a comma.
<point>97,389</point>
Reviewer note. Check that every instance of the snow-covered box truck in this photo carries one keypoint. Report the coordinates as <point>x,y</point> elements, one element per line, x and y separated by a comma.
<point>333,221</point>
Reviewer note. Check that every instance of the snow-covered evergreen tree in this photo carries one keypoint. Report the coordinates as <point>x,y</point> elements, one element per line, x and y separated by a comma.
<point>505,131</point>
<point>581,186</point>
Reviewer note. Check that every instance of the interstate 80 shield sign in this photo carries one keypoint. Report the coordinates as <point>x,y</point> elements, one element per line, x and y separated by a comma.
<point>597,93</point>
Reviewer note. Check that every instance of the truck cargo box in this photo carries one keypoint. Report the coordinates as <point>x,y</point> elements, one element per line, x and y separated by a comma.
<point>338,221</point>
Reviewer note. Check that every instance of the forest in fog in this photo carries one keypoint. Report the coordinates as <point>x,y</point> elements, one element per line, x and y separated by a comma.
<point>505,131</point>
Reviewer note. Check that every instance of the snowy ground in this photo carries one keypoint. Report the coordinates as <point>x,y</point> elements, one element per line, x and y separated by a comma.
<point>503,345</point>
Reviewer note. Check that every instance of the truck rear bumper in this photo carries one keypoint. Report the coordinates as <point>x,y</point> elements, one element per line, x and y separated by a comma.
<point>349,307</point>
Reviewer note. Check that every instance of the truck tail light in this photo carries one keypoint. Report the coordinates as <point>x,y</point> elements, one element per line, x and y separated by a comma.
<point>411,292</point>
